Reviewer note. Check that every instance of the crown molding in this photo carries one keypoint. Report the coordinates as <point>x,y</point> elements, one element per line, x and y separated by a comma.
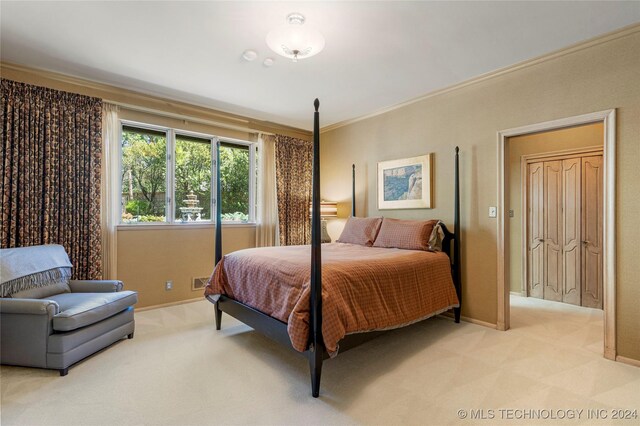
<point>131,98</point>
<point>605,38</point>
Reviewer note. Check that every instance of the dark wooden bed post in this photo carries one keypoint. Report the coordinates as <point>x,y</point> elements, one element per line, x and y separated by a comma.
<point>457,278</point>
<point>316,344</point>
<point>218,255</point>
<point>353,190</point>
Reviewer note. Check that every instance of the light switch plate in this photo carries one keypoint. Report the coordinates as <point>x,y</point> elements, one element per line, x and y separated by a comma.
<point>493,212</point>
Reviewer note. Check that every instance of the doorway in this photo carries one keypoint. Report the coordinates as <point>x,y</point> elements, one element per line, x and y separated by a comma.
<point>607,120</point>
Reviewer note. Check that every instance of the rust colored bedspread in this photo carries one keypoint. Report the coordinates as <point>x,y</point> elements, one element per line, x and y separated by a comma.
<point>363,288</point>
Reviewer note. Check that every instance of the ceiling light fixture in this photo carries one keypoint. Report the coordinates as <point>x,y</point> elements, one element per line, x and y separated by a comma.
<point>295,40</point>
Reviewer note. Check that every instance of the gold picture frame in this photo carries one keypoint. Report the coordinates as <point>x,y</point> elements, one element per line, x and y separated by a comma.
<point>405,183</point>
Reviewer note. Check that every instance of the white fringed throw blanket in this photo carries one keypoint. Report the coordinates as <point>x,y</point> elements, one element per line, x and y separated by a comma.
<point>24,268</point>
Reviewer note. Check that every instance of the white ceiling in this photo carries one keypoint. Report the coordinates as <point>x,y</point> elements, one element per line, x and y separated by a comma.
<point>377,54</point>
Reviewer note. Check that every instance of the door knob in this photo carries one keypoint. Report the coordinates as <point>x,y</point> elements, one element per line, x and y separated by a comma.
<point>585,242</point>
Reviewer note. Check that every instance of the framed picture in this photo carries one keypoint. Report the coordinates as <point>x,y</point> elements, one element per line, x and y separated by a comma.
<point>405,184</point>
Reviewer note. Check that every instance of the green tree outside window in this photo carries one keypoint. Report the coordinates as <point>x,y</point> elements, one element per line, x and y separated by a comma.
<point>144,176</point>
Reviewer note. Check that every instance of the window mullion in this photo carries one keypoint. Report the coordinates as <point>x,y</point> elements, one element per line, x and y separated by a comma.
<point>121,205</point>
<point>170,195</point>
<point>214,182</point>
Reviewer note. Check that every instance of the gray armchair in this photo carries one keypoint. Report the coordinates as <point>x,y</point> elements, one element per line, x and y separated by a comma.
<point>49,321</point>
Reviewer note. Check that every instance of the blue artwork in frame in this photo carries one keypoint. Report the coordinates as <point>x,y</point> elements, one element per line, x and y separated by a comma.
<point>405,184</point>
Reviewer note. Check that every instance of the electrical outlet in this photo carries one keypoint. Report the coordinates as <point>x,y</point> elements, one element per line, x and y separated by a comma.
<point>168,286</point>
<point>511,213</point>
<point>493,212</point>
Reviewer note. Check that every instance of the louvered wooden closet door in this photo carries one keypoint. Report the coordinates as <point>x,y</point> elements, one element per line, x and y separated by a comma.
<point>564,230</point>
<point>535,235</point>
<point>592,203</point>
<point>553,262</point>
<point>571,218</point>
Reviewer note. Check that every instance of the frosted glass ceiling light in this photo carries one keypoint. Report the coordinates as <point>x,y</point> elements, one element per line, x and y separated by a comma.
<point>295,40</point>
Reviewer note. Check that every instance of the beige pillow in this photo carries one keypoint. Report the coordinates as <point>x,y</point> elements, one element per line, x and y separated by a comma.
<point>360,230</point>
<point>405,234</point>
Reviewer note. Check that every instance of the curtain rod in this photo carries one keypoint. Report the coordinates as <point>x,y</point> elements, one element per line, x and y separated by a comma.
<point>186,117</point>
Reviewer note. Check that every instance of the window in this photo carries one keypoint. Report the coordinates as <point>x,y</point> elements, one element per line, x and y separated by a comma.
<point>144,175</point>
<point>234,177</point>
<point>193,179</point>
<point>167,170</point>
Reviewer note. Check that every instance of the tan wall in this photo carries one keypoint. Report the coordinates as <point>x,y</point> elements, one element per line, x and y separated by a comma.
<point>594,78</point>
<point>147,258</point>
<point>590,135</point>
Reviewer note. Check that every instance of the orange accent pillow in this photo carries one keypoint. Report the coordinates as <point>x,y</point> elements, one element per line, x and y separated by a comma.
<point>360,230</point>
<point>405,234</point>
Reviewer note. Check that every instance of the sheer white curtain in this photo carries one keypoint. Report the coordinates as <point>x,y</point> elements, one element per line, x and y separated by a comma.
<point>267,220</point>
<point>110,199</point>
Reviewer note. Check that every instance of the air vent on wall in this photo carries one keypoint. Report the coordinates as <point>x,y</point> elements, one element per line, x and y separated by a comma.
<point>199,283</point>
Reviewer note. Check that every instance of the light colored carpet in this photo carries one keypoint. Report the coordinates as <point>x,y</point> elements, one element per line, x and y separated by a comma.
<point>178,370</point>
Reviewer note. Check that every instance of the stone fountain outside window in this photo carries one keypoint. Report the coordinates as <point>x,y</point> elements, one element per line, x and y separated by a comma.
<point>191,213</point>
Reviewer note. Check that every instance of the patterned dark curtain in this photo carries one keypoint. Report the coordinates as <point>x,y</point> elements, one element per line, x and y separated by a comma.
<point>294,161</point>
<point>51,147</point>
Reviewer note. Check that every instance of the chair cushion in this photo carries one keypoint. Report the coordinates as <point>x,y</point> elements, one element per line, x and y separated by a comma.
<point>61,343</point>
<point>82,309</point>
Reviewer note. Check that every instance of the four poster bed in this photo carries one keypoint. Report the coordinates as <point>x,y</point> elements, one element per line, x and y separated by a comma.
<point>364,290</point>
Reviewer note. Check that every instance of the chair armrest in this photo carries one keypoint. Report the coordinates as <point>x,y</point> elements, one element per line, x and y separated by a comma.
<point>29,307</point>
<point>95,286</point>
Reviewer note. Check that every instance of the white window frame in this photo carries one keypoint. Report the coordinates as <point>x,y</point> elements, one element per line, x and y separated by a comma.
<point>252,176</point>
<point>170,176</point>
<point>151,127</point>
<point>212,205</point>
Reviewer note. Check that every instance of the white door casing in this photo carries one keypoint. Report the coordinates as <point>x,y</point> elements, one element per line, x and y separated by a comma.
<point>608,117</point>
